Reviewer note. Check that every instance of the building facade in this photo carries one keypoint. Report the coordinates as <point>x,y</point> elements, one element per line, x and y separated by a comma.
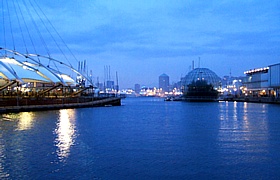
<point>274,78</point>
<point>137,88</point>
<point>164,82</point>
<point>263,81</point>
<point>256,82</point>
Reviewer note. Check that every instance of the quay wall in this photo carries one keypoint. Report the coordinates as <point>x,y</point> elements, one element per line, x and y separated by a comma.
<point>59,103</point>
<point>269,100</point>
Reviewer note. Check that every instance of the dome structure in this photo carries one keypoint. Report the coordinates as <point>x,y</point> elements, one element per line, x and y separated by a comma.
<point>203,74</point>
<point>164,75</point>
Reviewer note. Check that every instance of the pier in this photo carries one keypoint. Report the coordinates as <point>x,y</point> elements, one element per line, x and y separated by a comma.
<point>268,100</point>
<point>23,105</point>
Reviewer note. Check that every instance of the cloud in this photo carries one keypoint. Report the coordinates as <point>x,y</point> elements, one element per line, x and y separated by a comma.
<point>151,30</point>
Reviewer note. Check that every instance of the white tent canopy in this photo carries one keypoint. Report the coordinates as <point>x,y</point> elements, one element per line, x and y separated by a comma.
<point>24,72</point>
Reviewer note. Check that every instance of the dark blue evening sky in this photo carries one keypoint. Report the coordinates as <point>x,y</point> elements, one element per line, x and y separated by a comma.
<point>143,39</point>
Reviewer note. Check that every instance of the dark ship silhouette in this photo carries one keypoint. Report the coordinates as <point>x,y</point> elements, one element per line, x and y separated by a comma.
<point>200,91</point>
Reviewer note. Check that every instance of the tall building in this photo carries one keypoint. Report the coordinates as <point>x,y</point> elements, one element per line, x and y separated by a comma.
<point>137,88</point>
<point>164,82</point>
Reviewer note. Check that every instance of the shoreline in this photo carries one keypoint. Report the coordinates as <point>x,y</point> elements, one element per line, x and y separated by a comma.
<point>266,100</point>
<point>112,101</point>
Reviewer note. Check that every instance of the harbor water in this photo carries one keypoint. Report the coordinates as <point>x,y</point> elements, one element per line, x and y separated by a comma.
<point>145,138</point>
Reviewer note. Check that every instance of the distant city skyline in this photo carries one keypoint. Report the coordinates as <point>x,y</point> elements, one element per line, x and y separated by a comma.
<point>142,39</point>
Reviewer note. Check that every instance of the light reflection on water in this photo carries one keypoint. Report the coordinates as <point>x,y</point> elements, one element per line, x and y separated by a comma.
<point>243,129</point>
<point>65,133</point>
<point>3,174</point>
<point>11,123</point>
<point>145,139</point>
<point>26,120</point>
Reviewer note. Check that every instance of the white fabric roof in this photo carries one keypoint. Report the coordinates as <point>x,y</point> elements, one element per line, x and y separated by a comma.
<point>13,69</point>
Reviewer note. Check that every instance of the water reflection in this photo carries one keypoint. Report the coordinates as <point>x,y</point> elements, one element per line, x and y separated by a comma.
<point>65,132</point>
<point>3,174</point>
<point>242,134</point>
<point>12,143</point>
<point>25,120</point>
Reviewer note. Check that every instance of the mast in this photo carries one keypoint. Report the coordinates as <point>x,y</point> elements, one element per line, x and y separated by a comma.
<point>117,79</point>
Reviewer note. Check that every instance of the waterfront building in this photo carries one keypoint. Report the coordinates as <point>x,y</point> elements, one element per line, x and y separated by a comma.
<point>128,93</point>
<point>148,92</point>
<point>16,74</point>
<point>232,85</point>
<point>201,84</point>
<point>263,81</point>
<point>26,86</point>
<point>164,82</point>
<point>256,82</point>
